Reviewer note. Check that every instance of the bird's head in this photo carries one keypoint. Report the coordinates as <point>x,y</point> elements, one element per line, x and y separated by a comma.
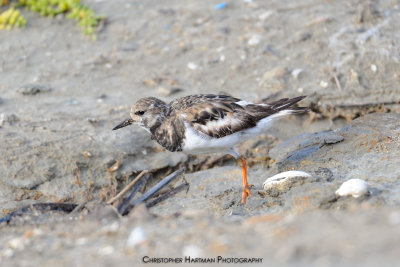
<point>147,112</point>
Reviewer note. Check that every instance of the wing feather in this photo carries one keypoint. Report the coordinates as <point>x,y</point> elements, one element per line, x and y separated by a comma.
<point>219,115</point>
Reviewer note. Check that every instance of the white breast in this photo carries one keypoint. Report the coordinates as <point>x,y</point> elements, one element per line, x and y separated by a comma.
<point>198,143</point>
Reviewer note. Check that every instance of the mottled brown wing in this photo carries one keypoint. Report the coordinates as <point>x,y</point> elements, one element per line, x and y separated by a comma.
<point>219,116</point>
<point>188,101</point>
<point>218,119</point>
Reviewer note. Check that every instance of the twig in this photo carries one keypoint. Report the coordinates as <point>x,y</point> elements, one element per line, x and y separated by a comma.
<point>335,77</point>
<point>168,194</point>
<point>127,188</point>
<point>79,208</point>
<point>158,186</point>
<point>123,208</point>
<point>65,207</point>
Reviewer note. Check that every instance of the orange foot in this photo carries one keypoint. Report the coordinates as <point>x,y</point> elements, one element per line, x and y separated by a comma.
<point>245,193</point>
<point>246,187</point>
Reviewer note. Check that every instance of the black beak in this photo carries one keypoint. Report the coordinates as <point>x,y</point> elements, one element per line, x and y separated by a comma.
<point>123,124</point>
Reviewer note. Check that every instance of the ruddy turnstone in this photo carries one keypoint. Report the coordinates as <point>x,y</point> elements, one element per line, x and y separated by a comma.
<point>209,123</point>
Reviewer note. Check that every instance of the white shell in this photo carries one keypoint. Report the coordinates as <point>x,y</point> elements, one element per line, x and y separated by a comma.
<point>282,178</point>
<point>353,187</point>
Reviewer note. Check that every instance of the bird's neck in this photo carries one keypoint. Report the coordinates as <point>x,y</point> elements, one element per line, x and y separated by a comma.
<point>156,121</point>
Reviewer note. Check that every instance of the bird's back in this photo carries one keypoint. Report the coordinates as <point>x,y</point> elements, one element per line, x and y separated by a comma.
<point>216,116</point>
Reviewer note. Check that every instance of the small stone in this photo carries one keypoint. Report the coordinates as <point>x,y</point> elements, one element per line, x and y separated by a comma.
<point>136,237</point>
<point>33,89</point>
<point>323,84</point>
<point>374,68</point>
<point>254,40</point>
<point>296,73</point>
<point>87,154</point>
<point>101,98</point>
<point>18,243</point>
<point>333,139</point>
<point>115,166</point>
<point>192,66</point>
<point>353,75</point>
<point>9,119</point>
<point>325,173</point>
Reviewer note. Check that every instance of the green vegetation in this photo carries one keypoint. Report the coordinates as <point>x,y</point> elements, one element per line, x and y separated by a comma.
<point>72,8</point>
<point>11,18</point>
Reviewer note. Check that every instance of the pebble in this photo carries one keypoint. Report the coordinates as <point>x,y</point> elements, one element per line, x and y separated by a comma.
<point>333,138</point>
<point>18,243</point>
<point>192,66</point>
<point>296,73</point>
<point>115,166</point>
<point>353,187</point>
<point>374,68</point>
<point>136,237</point>
<point>9,119</point>
<point>101,98</point>
<point>354,75</point>
<point>323,84</point>
<point>87,154</point>
<point>254,40</point>
<point>33,89</point>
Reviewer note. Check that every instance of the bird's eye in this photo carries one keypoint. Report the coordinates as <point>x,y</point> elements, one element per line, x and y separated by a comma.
<point>140,112</point>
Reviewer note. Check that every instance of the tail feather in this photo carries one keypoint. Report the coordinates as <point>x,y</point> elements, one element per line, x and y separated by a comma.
<point>284,103</point>
<point>280,108</point>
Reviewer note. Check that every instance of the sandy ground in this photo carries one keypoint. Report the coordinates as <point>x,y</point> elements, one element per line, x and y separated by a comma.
<point>61,93</point>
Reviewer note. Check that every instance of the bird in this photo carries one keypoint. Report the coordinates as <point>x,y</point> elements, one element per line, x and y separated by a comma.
<point>209,123</point>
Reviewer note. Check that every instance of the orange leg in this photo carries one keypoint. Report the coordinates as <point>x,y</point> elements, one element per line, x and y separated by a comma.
<point>246,190</point>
